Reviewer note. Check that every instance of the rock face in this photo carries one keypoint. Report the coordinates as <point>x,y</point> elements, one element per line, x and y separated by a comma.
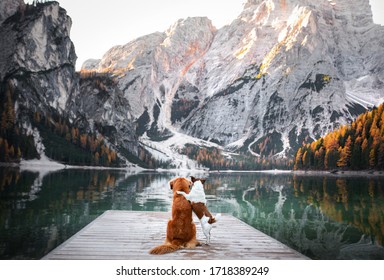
<point>9,8</point>
<point>101,107</point>
<point>283,72</point>
<point>150,69</point>
<point>38,57</point>
<point>294,70</point>
<point>38,62</point>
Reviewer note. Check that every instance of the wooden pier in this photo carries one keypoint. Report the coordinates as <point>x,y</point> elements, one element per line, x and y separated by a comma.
<point>122,235</point>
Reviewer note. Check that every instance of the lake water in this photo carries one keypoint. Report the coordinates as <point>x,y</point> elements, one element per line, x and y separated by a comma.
<point>322,217</point>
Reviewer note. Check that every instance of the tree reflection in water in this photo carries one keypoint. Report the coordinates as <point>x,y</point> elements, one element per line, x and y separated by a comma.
<point>322,217</point>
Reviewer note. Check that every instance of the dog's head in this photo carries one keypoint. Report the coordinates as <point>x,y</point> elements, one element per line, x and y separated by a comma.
<point>180,184</point>
<point>193,179</point>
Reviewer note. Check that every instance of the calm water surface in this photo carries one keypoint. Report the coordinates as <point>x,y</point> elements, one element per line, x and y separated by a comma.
<point>322,217</point>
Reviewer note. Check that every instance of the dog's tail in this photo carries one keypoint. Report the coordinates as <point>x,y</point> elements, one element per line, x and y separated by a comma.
<point>214,219</point>
<point>217,217</point>
<point>164,249</point>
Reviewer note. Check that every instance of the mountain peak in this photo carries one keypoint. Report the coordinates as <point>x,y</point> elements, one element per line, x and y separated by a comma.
<point>284,72</point>
<point>189,29</point>
<point>285,64</point>
<point>353,12</point>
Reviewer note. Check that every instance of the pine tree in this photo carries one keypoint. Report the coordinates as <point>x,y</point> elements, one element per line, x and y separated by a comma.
<point>3,123</point>
<point>9,108</point>
<point>345,154</point>
<point>305,160</point>
<point>372,158</point>
<point>364,153</point>
<point>356,154</point>
<point>380,155</point>
<point>331,158</point>
<point>298,160</point>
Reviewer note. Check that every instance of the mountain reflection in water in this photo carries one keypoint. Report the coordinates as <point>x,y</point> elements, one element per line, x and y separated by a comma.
<point>322,217</point>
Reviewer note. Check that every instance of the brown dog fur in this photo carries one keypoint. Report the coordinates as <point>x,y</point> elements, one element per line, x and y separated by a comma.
<point>181,231</point>
<point>200,209</point>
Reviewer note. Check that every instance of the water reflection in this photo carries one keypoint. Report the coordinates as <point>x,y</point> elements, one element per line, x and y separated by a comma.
<point>322,217</point>
<point>325,218</point>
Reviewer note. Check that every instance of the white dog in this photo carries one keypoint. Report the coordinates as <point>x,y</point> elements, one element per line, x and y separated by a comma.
<point>198,202</point>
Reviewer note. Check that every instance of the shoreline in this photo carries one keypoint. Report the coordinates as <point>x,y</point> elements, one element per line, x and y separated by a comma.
<point>340,173</point>
<point>52,166</point>
<point>38,166</point>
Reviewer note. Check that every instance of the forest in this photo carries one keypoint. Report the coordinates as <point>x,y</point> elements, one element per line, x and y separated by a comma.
<point>215,159</point>
<point>356,146</point>
<point>63,141</point>
<point>14,144</point>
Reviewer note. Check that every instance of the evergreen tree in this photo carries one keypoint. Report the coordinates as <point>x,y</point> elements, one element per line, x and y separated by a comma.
<point>345,154</point>
<point>355,146</point>
<point>298,160</point>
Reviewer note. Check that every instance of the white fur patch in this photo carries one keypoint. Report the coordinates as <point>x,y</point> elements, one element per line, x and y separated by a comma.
<point>197,193</point>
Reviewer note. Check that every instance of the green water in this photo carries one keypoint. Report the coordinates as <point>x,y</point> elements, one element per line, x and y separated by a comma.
<point>322,217</point>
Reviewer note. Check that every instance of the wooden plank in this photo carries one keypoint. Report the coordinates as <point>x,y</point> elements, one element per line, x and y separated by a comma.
<point>130,235</point>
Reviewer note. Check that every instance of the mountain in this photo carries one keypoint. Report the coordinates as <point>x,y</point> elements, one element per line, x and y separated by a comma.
<point>38,57</point>
<point>36,71</point>
<point>283,73</point>
<point>293,70</point>
<point>40,116</point>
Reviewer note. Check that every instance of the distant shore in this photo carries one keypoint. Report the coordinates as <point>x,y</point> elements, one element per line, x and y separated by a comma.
<point>49,165</point>
<point>340,173</point>
<point>335,173</point>
<point>38,165</point>
<point>269,171</point>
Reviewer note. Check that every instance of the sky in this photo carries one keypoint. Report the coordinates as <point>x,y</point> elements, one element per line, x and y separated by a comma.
<point>98,25</point>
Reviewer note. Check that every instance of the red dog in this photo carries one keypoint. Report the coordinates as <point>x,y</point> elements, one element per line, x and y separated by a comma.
<point>181,231</point>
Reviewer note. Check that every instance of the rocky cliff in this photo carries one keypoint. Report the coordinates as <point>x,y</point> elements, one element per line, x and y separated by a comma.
<point>40,90</point>
<point>38,56</point>
<point>9,8</point>
<point>293,70</point>
<point>282,73</point>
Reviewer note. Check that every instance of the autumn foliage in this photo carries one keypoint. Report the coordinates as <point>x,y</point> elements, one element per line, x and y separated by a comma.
<point>69,144</point>
<point>215,159</point>
<point>63,141</point>
<point>13,144</point>
<point>357,146</point>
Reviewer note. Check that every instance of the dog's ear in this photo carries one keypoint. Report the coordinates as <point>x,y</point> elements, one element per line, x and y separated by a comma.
<point>171,184</point>
<point>193,179</point>
<point>203,181</point>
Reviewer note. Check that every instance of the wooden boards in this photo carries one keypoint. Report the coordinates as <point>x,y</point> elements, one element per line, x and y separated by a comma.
<point>130,235</point>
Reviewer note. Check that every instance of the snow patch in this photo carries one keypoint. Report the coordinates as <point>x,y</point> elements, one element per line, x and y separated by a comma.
<point>169,150</point>
<point>44,164</point>
<point>286,145</point>
<point>363,91</point>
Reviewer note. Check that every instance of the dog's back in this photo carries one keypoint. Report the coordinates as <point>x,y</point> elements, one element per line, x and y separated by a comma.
<point>179,228</point>
<point>181,231</point>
